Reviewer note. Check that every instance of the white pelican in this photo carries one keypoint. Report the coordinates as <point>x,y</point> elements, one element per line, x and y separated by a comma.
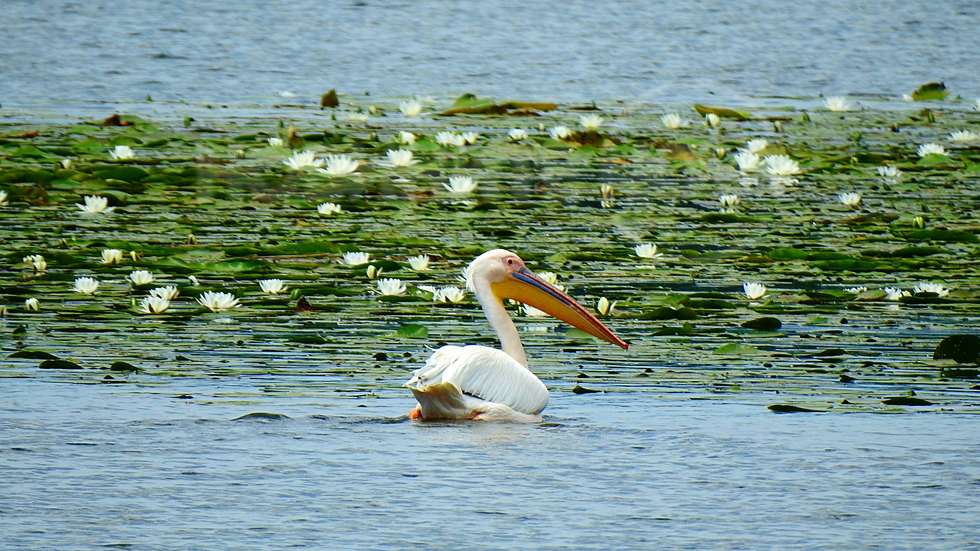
<point>477,382</point>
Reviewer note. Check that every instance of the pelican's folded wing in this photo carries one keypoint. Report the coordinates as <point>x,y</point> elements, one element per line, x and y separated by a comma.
<point>485,373</point>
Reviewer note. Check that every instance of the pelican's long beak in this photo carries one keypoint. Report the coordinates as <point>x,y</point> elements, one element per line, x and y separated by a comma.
<point>524,286</point>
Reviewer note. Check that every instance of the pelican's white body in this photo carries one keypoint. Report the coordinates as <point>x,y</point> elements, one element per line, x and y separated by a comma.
<point>476,382</point>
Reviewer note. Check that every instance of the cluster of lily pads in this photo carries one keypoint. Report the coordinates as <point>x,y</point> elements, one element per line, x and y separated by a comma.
<point>669,228</point>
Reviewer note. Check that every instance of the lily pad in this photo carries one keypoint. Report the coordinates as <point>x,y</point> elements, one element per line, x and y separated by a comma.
<point>413,331</point>
<point>906,401</point>
<point>58,364</point>
<point>962,349</point>
<point>734,114</point>
<point>788,408</point>
<point>930,91</point>
<point>766,323</point>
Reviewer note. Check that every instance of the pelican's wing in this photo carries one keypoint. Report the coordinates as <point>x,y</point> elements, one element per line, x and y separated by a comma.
<point>484,373</point>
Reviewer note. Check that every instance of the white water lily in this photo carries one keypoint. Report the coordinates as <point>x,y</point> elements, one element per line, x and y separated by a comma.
<point>552,278</point>
<point>405,138</point>
<point>647,250</point>
<point>276,142</point>
<point>37,262</point>
<point>419,263</point>
<point>153,304</point>
<point>894,293</point>
<point>451,294</point>
<point>86,285</point>
<point>193,281</point>
<point>112,256</point>
<point>930,149</point>
<point>753,290</point>
<point>95,204</point>
<point>469,138</point>
<point>460,184</point>
<point>357,117</point>
<point>604,307</point>
<point>729,201</point>
<point>532,312</point>
<point>889,172</point>
<point>3,198</point>
<point>218,301</point>
<point>391,287</point>
<point>169,292</point>
<point>327,209</point>
<point>32,304</point>
<point>756,145</point>
<point>672,120</point>
<point>964,136</point>
<point>712,120</point>
<point>448,139</point>
<point>122,152</point>
<point>838,103</point>
<point>356,258</point>
<point>855,290</point>
<point>747,161</point>
<point>781,165</point>
<point>373,272</point>
<point>66,164</point>
<point>851,200</point>
<point>590,122</point>
<point>559,132</point>
<point>606,194</point>
<point>606,191</point>
<point>141,277</point>
<point>400,157</point>
<point>410,107</point>
<point>301,159</point>
<point>937,288</point>
<point>338,165</point>
<point>517,134</point>
<point>272,286</point>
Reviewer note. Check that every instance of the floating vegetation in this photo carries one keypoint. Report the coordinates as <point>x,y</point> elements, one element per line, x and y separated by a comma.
<point>351,276</point>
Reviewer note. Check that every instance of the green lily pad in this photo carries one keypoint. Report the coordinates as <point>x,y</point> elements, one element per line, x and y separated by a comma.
<point>734,114</point>
<point>413,331</point>
<point>737,348</point>
<point>962,349</point>
<point>766,323</point>
<point>58,364</point>
<point>930,91</point>
<point>33,354</point>
<point>906,401</point>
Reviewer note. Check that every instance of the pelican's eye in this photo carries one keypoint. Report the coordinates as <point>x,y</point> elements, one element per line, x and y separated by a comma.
<point>513,263</point>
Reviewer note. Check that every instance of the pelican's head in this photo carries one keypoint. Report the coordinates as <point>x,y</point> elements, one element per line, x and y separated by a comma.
<point>504,274</point>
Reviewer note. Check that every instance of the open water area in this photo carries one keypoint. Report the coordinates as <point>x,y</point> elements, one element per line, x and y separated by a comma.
<point>274,425</point>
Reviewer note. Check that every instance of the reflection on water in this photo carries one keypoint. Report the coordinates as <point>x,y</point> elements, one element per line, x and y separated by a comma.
<point>682,52</point>
<point>113,467</point>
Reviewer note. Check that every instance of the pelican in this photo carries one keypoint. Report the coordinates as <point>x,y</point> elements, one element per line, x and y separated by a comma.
<point>481,383</point>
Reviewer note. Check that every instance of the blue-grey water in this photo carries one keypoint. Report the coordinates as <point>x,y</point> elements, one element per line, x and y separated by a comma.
<point>141,466</point>
<point>88,466</point>
<point>225,51</point>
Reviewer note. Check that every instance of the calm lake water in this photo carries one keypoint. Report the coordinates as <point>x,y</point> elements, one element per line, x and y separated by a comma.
<point>88,466</point>
<point>171,463</point>
<point>230,52</point>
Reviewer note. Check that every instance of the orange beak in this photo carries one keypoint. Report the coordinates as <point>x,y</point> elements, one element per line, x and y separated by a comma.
<point>524,286</point>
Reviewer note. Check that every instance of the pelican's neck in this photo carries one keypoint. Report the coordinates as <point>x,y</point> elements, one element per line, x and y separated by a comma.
<point>493,308</point>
